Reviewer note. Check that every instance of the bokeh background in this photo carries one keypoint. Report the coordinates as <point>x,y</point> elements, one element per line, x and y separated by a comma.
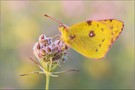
<point>23,21</point>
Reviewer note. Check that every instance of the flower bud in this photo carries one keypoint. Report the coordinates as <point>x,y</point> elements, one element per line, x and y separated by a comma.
<point>41,38</point>
<point>44,42</point>
<point>36,47</point>
<point>49,41</point>
<point>57,57</point>
<point>48,49</point>
<point>43,52</point>
<point>65,47</point>
<point>56,48</point>
<point>57,42</point>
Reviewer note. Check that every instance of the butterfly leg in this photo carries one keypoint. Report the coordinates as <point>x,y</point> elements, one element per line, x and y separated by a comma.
<point>56,36</point>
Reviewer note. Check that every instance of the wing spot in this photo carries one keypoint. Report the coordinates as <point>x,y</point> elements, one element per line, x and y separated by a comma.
<point>89,22</point>
<point>110,20</point>
<point>97,25</point>
<point>102,29</point>
<point>103,40</point>
<point>72,36</point>
<point>96,50</point>
<point>111,27</point>
<point>99,45</point>
<point>91,34</point>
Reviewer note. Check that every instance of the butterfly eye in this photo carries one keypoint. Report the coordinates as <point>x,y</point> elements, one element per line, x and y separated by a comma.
<point>63,26</point>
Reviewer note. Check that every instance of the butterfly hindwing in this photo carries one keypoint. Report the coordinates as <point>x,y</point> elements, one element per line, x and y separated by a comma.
<point>115,25</point>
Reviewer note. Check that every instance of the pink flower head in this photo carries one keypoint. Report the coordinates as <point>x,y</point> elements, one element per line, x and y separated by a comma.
<point>46,48</point>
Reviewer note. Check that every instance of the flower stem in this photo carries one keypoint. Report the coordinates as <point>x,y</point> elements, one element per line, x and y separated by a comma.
<point>48,75</point>
<point>47,82</point>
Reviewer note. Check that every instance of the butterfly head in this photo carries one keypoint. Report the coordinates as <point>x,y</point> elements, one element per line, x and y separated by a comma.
<point>63,28</point>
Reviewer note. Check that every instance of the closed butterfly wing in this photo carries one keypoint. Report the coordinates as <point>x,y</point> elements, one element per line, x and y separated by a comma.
<point>91,39</point>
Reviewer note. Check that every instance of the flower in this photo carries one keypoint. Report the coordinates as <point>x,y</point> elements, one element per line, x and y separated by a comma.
<point>49,53</point>
<point>46,49</point>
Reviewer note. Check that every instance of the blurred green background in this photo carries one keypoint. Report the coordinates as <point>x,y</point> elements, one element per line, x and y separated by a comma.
<point>23,21</point>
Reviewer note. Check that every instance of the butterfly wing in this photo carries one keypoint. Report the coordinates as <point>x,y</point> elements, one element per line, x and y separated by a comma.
<point>92,38</point>
<point>115,25</point>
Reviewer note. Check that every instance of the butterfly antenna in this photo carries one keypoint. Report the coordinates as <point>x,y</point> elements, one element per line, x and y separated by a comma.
<point>53,19</point>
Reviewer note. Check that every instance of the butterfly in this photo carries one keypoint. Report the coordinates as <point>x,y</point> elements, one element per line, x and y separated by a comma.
<point>92,38</point>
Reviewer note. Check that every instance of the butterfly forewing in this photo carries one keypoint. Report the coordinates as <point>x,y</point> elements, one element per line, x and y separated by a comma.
<point>92,39</point>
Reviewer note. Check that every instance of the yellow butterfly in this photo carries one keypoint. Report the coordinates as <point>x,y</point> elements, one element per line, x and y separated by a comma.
<point>92,38</point>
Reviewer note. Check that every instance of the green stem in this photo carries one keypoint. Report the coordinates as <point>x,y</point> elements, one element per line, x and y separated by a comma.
<point>47,81</point>
<point>48,75</point>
